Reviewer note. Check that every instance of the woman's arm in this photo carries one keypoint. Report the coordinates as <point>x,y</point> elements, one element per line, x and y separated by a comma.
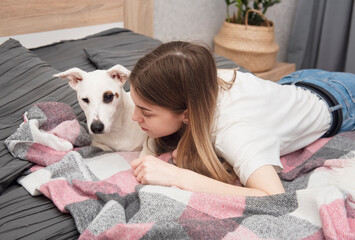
<point>262,182</point>
<point>150,170</point>
<point>266,179</point>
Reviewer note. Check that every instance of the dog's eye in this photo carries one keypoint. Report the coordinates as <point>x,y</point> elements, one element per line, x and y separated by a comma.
<point>108,97</point>
<point>85,100</point>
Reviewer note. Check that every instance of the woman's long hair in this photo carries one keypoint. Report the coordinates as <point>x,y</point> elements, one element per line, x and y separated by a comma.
<point>178,76</point>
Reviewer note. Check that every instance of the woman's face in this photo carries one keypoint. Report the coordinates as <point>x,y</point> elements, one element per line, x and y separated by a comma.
<point>156,121</point>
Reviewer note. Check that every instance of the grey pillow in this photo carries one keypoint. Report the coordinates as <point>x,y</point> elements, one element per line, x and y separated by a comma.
<point>24,80</point>
<point>104,59</point>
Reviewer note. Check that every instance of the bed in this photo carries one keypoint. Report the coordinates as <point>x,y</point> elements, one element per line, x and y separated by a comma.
<point>44,196</point>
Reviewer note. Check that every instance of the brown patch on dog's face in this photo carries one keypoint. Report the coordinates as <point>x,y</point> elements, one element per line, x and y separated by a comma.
<point>108,97</point>
<point>117,95</point>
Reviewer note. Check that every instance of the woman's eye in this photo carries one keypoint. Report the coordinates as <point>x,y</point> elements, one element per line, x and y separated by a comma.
<point>108,98</point>
<point>85,100</point>
<point>145,115</point>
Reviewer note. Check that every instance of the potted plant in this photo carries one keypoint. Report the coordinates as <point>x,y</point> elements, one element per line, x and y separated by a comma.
<point>248,37</point>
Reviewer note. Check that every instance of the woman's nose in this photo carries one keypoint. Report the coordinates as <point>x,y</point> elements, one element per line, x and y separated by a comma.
<point>136,116</point>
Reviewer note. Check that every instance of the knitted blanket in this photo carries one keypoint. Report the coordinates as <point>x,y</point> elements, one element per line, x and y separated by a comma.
<point>99,189</point>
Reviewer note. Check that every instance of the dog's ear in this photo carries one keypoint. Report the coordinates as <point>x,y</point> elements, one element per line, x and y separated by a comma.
<point>119,72</point>
<point>74,75</point>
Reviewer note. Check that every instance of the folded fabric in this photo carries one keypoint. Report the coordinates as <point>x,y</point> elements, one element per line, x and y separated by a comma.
<point>48,127</point>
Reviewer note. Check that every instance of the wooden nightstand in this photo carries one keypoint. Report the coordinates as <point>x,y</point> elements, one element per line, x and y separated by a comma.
<point>280,70</point>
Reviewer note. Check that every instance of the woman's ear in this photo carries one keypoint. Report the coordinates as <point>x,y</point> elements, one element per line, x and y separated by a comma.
<point>185,117</point>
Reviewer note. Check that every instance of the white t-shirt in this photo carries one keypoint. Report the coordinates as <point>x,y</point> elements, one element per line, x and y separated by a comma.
<point>257,121</point>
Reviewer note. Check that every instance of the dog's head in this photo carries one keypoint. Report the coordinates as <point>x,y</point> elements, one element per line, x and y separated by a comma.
<point>99,94</point>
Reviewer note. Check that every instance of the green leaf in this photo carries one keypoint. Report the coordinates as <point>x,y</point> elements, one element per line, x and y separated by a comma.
<point>243,7</point>
<point>256,5</point>
<point>229,2</point>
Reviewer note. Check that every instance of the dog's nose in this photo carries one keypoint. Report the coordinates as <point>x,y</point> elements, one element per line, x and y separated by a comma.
<point>97,127</point>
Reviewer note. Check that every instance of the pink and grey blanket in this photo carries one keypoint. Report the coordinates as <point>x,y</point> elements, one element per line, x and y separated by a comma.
<point>100,191</point>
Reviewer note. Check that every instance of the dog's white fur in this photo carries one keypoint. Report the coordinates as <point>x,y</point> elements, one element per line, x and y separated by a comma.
<point>108,107</point>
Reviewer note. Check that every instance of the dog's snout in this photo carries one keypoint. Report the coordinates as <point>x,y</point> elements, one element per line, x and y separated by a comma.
<point>97,127</point>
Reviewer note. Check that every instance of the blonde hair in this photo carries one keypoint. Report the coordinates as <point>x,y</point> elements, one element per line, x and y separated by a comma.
<point>178,76</point>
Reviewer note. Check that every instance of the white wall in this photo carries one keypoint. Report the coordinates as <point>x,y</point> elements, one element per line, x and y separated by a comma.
<point>43,38</point>
<point>201,20</point>
<point>188,19</point>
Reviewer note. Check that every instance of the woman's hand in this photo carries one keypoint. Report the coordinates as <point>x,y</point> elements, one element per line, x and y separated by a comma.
<point>151,170</point>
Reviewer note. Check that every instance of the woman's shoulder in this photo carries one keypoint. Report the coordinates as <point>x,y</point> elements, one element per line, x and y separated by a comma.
<point>246,80</point>
<point>228,75</point>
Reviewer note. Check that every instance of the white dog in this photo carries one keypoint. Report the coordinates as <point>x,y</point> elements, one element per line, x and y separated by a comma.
<point>108,108</point>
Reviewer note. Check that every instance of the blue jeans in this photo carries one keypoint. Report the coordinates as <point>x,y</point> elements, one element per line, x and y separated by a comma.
<point>341,85</point>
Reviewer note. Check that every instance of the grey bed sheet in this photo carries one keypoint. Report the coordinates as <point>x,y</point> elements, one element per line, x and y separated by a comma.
<point>21,215</point>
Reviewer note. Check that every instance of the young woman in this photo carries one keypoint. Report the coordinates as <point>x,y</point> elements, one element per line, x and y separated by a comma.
<point>230,124</point>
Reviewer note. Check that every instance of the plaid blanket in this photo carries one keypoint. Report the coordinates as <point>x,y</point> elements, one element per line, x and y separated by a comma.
<point>100,191</point>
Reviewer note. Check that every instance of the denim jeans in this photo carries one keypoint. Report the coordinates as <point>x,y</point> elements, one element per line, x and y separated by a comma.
<point>341,85</point>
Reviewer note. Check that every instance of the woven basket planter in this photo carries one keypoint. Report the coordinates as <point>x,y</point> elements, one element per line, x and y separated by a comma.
<point>252,47</point>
